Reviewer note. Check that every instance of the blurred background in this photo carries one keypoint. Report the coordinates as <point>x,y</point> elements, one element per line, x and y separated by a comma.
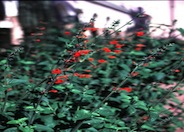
<point>161,14</point>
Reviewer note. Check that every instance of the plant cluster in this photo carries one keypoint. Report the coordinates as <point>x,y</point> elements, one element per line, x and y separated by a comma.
<point>63,81</point>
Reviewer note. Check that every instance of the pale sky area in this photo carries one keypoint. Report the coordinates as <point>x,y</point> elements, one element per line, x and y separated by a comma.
<point>158,10</point>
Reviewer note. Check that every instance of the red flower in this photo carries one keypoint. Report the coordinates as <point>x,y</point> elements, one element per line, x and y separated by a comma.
<point>114,42</point>
<point>38,40</point>
<point>53,91</point>
<point>112,57</point>
<point>176,70</point>
<point>145,118</point>
<point>56,71</point>
<point>67,33</point>
<point>63,77</point>
<point>101,61</point>
<point>58,81</point>
<point>77,54</point>
<point>92,29</point>
<point>140,45</point>
<point>139,34</point>
<point>91,59</point>
<point>84,52</point>
<point>42,28</point>
<point>119,45</point>
<point>106,49</point>
<point>125,89</point>
<point>82,75</point>
<point>145,64</point>
<point>117,51</point>
<point>87,70</point>
<point>134,74</point>
<point>138,48</point>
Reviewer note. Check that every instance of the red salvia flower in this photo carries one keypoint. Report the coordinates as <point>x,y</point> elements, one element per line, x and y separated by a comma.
<point>125,89</point>
<point>77,54</point>
<point>67,33</point>
<point>56,71</point>
<point>58,81</point>
<point>140,45</point>
<point>82,75</point>
<point>91,59</point>
<point>38,40</point>
<point>113,42</point>
<point>112,57</point>
<point>145,118</point>
<point>134,74</point>
<point>53,91</point>
<point>106,49</point>
<point>63,77</point>
<point>117,51</point>
<point>139,34</point>
<point>84,52</point>
<point>145,64</point>
<point>101,61</point>
<point>119,45</point>
<point>138,48</point>
<point>87,70</point>
<point>177,70</point>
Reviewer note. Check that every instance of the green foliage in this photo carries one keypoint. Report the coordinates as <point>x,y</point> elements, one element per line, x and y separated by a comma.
<point>114,91</point>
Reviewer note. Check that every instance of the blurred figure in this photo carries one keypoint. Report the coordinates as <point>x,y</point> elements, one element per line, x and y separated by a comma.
<point>65,12</point>
<point>32,13</point>
<point>141,20</point>
<point>9,15</point>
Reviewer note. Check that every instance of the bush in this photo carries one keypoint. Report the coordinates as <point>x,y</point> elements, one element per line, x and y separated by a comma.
<point>62,81</point>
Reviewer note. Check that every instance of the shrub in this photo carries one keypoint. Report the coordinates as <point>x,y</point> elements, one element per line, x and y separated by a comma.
<point>67,82</point>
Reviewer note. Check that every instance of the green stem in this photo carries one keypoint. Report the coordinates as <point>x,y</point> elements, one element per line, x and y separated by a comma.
<point>5,101</point>
<point>39,101</point>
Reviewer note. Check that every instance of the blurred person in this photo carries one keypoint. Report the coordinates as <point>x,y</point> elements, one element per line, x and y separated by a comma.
<point>9,19</point>
<point>65,12</point>
<point>34,13</point>
<point>141,20</point>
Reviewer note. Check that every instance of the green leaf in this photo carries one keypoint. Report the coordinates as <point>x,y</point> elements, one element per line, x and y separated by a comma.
<point>159,75</point>
<point>75,91</point>
<point>131,110</point>
<point>95,81</point>
<point>108,125</point>
<point>141,105</point>
<point>26,129</point>
<point>17,121</point>
<point>63,40</point>
<point>90,91</point>
<point>13,122</point>
<point>3,62</point>
<point>27,62</point>
<point>59,87</point>
<point>40,127</point>
<point>82,114</point>
<point>106,111</point>
<point>18,81</point>
<point>125,67</point>
<point>181,30</point>
<point>147,127</point>
<point>12,129</point>
<point>91,129</point>
<point>154,116</point>
<point>49,121</point>
<point>137,53</point>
